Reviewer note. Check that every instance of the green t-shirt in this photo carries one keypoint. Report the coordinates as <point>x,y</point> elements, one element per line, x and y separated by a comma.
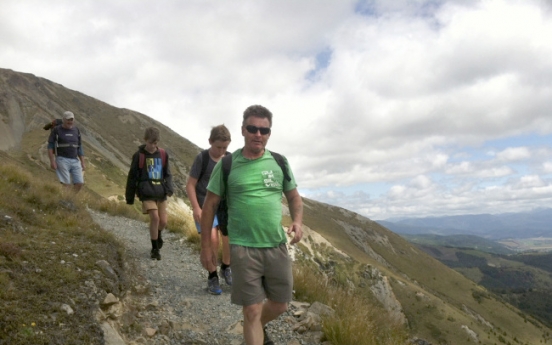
<point>254,197</point>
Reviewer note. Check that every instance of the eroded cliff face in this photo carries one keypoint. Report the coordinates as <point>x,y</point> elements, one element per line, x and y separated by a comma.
<point>383,292</point>
<point>17,107</point>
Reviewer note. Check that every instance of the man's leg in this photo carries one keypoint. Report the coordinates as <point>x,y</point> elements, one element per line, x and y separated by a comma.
<point>154,224</point>
<point>63,171</point>
<point>163,217</point>
<point>77,175</point>
<point>214,242</point>
<point>256,316</point>
<point>271,310</point>
<point>225,250</point>
<point>77,187</point>
<point>252,326</point>
<point>225,269</point>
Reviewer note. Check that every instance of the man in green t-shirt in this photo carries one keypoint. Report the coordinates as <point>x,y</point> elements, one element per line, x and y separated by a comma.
<point>261,266</point>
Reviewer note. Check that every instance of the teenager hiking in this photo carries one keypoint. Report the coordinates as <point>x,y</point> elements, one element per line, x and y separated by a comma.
<point>150,179</point>
<point>66,153</point>
<point>196,187</point>
<point>261,267</point>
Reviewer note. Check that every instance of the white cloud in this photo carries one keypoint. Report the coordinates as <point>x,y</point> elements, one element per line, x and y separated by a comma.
<point>514,154</point>
<point>406,95</point>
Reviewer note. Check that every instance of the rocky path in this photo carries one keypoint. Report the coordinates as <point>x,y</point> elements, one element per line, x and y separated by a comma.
<point>175,307</point>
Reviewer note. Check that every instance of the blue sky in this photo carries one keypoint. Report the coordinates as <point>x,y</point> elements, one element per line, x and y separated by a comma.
<point>387,108</point>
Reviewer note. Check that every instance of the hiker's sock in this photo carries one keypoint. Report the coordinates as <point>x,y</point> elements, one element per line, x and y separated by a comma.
<point>213,274</point>
<point>159,240</point>
<point>154,244</point>
<point>224,266</point>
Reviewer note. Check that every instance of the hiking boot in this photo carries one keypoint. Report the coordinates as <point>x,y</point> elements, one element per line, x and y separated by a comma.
<point>159,242</point>
<point>227,274</point>
<point>155,254</point>
<point>267,340</point>
<point>213,286</point>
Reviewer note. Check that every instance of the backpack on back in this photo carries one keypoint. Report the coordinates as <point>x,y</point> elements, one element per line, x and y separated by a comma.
<point>50,125</point>
<point>222,211</point>
<point>151,188</point>
<point>205,162</point>
<point>142,158</point>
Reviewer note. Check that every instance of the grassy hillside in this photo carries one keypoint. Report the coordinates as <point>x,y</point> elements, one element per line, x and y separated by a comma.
<point>522,280</point>
<point>49,247</point>
<point>440,304</point>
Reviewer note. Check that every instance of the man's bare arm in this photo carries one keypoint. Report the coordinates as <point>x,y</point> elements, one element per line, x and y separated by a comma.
<point>207,217</point>
<point>295,203</point>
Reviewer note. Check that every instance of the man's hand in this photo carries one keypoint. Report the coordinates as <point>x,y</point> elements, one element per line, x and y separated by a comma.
<point>208,258</point>
<point>296,211</point>
<point>297,231</point>
<point>197,214</point>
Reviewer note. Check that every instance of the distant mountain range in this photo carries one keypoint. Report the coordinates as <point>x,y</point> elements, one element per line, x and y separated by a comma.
<point>536,223</point>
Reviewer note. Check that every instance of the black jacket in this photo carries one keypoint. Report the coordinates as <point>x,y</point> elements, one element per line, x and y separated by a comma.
<point>151,182</point>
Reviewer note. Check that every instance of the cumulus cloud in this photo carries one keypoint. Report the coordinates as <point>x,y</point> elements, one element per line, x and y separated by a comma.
<point>406,98</point>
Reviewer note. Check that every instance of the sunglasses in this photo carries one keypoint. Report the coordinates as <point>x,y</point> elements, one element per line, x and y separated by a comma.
<point>253,129</point>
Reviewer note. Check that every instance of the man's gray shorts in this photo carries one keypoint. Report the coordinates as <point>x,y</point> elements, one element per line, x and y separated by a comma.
<point>259,273</point>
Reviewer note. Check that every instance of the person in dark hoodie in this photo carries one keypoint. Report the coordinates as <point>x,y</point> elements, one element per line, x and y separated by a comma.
<point>150,179</point>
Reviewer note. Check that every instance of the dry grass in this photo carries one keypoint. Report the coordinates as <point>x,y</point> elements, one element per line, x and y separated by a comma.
<point>357,320</point>
<point>179,221</point>
<point>49,247</point>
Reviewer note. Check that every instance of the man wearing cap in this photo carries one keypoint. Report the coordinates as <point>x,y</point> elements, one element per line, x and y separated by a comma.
<point>65,152</point>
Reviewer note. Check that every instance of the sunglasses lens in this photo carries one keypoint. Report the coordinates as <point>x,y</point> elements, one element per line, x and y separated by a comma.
<point>253,129</point>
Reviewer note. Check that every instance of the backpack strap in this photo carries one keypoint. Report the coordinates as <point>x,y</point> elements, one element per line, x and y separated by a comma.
<point>142,158</point>
<point>282,163</point>
<point>227,166</point>
<point>204,163</point>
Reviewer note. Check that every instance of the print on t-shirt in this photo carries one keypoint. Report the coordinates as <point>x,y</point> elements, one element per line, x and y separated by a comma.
<point>268,179</point>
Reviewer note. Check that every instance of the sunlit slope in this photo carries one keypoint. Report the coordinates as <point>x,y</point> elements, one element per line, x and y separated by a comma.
<point>439,302</point>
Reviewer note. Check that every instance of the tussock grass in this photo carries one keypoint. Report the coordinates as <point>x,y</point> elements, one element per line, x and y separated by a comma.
<point>120,209</point>
<point>357,319</point>
<point>178,221</point>
<point>49,246</point>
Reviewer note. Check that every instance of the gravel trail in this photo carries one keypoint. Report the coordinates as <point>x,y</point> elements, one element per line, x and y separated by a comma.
<point>178,306</point>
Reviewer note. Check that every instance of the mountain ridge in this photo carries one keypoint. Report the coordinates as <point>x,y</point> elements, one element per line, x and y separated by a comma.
<point>535,223</point>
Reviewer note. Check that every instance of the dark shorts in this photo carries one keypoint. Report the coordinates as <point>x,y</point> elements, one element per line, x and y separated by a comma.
<point>259,273</point>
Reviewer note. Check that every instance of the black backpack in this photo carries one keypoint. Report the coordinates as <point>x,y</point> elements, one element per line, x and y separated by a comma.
<point>50,125</point>
<point>155,189</point>
<point>222,211</point>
